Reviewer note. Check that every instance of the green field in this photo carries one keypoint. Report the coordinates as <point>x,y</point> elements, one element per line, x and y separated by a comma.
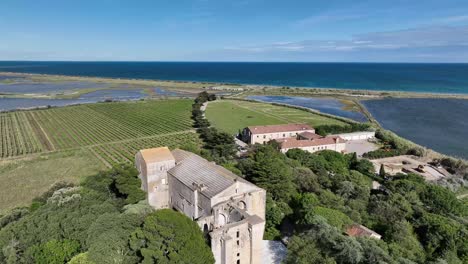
<point>41,147</point>
<point>26,132</point>
<point>232,115</point>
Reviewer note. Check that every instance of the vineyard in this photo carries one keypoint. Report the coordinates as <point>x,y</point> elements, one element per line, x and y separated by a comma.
<point>123,152</point>
<point>112,131</point>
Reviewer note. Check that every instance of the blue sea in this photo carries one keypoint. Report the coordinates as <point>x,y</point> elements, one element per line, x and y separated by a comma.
<point>410,77</point>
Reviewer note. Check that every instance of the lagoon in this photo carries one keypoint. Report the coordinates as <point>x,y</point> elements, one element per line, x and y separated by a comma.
<point>92,97</point>
<point>25,87</point>
<point>439,124</point>
<point>324,105</point>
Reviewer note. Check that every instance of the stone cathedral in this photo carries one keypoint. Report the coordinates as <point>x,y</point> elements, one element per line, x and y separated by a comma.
<point>225,206</point>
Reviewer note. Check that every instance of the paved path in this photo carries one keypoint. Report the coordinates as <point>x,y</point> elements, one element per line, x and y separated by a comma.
<point>203,108</point>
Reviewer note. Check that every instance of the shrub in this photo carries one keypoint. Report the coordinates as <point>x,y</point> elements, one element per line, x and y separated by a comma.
<point>54,251</point>
<point>170,237</point>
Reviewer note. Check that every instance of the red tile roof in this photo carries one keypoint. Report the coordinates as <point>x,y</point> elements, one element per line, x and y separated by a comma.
<point>309,135</point>
<point>279,128</point>
<point>359,231</point>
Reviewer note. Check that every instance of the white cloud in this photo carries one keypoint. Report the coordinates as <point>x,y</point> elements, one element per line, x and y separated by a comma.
<point>325,18</point>
<point>428,37</point>
<point>454,19</point>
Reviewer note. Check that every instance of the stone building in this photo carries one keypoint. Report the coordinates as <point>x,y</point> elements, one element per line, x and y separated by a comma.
<point>291,136</point>
<point>313,144</point>
<point>228,208</point>
<point>263,134</point>
<point>360,135</point>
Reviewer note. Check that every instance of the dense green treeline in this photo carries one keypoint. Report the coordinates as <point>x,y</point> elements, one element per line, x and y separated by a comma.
<point>103,220</point>
<point>324,130</point>
<point>218,146</point>
<point>312,198</point>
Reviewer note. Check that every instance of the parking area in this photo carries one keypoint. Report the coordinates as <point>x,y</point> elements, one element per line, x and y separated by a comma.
<point>360,146</point>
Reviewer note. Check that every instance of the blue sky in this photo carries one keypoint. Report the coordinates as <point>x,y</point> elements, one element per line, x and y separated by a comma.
<point>235,30</point>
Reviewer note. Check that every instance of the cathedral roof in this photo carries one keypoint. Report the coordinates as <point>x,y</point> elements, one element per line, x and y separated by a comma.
<point>197,172</point>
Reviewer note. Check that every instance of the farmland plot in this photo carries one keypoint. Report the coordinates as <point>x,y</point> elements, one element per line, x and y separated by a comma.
<point>72,127</point>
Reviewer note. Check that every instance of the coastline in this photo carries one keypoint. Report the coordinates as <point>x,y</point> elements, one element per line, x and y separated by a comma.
<point>352,99</point>
<point>243,89</point>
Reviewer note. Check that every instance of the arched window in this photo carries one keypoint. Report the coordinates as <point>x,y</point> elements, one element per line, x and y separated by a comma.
<point>221,220</point>
<point>242,205</point>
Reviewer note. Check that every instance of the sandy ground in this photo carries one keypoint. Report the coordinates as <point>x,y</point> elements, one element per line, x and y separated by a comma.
<point>398,164</point>
<point>360,146</point>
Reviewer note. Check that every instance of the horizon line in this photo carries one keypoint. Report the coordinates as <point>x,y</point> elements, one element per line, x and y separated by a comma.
<point>214,61</point>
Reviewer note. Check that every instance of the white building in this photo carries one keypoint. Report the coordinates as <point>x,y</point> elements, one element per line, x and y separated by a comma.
<point>361,135</point>
<point>263,134</point>
<point>228,208</point>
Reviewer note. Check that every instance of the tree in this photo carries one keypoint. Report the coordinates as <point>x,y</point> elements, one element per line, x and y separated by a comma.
<point>442,201</point>
<point>82,258</point>
<point>113,227</point>
<point>302,250</point>
<point>128,184</point>
<point>305,179</point>
<point>54,251</point>
<point>382,171</point>
<point>170,237</point>
<point>365,167</point>
<point>375,251</point>
<point>275,213</point>
<point>332,242</point>
<point>403,242</point>
<point>270,171</point>
<point>333,217</point>
<point>353,161</point>
<point>439,234</point>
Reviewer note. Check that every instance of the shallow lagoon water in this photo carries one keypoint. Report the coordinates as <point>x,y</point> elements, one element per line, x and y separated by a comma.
<point>163,92</point>
<point>439,124</point>
<point>31,87</point>
<point>15,78</point>
<point>324,105</point>
<point>113,94</point>
<point>93,97</point>
<point>22,103</point>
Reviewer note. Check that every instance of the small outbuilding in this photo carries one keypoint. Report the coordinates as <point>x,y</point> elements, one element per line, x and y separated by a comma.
<point>361,231</point>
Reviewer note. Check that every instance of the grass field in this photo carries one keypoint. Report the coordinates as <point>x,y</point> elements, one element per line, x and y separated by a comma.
<point>41,147</point>
<point>24,178</point>
<point>232,115</point>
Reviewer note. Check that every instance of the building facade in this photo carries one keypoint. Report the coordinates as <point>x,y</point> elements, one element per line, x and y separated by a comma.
<point>314,144</point>
<point>361,135</point>
<point>228,208</point>
<point>263,134</point>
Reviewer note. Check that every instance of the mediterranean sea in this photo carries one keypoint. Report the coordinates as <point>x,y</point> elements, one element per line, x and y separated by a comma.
<point>407,77</point>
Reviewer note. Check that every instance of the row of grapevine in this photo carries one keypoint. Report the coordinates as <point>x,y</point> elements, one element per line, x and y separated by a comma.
<point>26,132</point>
<point>17,136</point>
<point>124,152</point>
